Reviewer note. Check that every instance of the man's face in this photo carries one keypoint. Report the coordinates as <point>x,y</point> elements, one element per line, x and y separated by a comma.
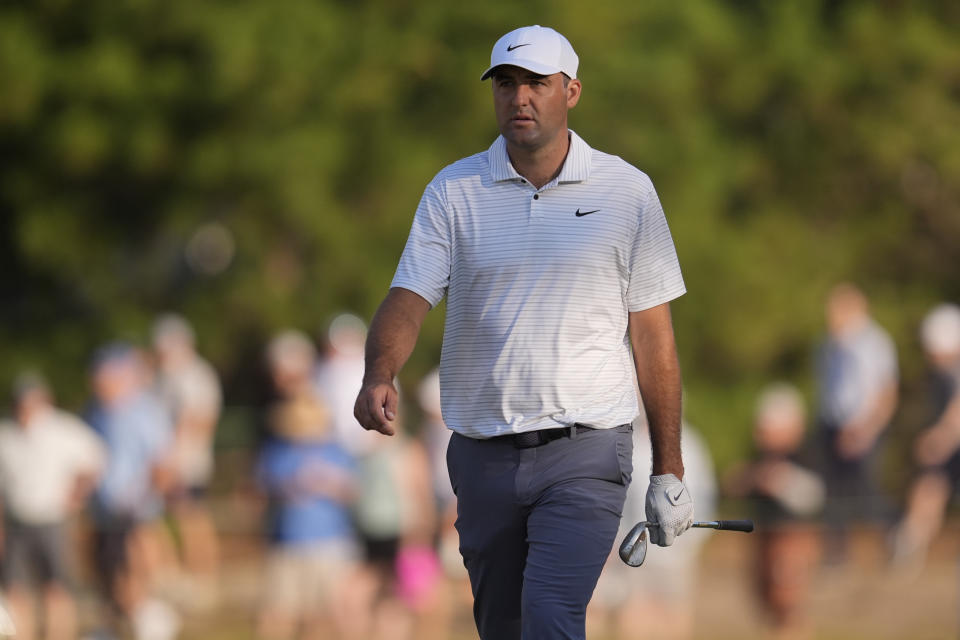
<point>532,109</point>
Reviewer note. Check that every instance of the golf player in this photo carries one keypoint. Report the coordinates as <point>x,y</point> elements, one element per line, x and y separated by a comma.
<point>558,267</point>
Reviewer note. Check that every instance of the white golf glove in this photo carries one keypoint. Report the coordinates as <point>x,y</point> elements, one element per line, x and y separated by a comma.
<point>668,504</point>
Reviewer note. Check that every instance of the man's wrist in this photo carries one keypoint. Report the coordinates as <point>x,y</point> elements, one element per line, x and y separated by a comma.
<point>375,378</point>
<point>665,468</point>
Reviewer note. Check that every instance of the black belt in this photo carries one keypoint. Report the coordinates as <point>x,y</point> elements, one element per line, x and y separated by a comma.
<point>530,439</point>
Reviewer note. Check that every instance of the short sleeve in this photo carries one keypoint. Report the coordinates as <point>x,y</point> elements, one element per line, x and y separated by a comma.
<point>655,275</point>
<point>199,391</point>
<point>90,453</point>
<point>6,428</point>
<point>425,264</point>
<point>886,357</point>
<point>157,429</point>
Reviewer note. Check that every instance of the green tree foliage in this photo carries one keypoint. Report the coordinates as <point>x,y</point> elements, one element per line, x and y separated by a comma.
<point>256,165</point>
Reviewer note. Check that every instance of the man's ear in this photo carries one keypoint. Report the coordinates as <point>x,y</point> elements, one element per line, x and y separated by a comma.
<point>573,90</point>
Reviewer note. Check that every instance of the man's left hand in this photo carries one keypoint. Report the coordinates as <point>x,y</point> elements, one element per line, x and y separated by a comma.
<point>669,505</point>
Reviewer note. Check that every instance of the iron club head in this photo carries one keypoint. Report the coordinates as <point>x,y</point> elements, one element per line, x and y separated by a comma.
<point>633,549</point>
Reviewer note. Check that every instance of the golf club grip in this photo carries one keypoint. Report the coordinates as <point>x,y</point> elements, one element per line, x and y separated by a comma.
<point>734,525</point>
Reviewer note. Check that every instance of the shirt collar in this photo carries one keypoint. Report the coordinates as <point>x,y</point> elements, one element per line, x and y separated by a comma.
<point>576,167</point>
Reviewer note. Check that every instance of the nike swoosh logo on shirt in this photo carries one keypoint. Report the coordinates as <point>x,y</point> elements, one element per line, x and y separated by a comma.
<point>580,214</point>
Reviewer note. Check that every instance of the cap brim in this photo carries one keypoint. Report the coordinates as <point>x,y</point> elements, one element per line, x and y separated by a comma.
<point>529,65</point>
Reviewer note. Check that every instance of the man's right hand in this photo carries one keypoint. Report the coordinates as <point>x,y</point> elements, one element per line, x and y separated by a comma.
<point>376,407</point>
<point>393,334</point>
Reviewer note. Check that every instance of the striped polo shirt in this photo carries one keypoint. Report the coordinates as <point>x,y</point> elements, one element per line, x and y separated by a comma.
<point>539,284</point>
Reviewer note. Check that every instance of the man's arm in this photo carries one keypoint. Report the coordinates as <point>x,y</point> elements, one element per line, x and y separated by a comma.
<point>859,434</point>
<point>941,440</point>
<point>658,375</point>
<point>390,341</point>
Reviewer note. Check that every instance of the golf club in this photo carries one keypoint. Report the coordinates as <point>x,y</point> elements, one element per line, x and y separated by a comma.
<point>633,549</point>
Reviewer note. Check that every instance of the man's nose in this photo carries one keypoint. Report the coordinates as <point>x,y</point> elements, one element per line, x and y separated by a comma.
<point>521,96</point>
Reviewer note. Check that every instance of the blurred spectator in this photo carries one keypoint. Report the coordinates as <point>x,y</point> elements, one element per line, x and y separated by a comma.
<point>786,497</point>
<point>190,388</point>
<point>310,482</point>
<point>428,569</point>
<point>338,378</point>
<point>49,463</point>
<point>377,511</point>
<point>128,501</point>
<point>397,521</point>
<point>419,576</point>
<point>857,375</point>
<point>937,450</point>
<point>436,437</point>
<point>657,600</point>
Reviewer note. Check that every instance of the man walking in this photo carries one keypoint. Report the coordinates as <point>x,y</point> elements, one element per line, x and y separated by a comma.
<point>555,259</point>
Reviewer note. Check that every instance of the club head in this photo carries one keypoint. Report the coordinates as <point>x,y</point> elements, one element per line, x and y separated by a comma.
<point>633,549</point>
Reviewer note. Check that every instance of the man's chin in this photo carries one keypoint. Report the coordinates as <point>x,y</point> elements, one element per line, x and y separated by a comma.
<point>523,139</point>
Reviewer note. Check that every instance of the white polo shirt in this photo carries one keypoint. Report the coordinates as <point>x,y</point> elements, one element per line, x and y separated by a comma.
<point>39,465</point>
<point>539,284</point>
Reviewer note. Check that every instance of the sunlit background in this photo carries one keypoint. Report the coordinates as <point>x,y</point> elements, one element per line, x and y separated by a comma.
<point>254,167</point>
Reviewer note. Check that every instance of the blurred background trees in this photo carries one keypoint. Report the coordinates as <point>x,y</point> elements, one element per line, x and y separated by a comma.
<point>256,165</point>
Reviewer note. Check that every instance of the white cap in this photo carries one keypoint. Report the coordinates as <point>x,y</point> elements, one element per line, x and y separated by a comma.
<point>291,349</point>
<point>538,49</point>
<point>940,331</point>
<point>777,401</point>
<point>171,327</point>
<point>347,334</point>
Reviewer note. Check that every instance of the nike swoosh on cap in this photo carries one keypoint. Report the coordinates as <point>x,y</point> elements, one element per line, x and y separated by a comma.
<point>580,214</point>
<point>517,46</point>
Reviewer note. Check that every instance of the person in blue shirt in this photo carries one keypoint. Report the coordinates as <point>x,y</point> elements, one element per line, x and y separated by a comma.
<point>128,501</point>
<point>309,483</point>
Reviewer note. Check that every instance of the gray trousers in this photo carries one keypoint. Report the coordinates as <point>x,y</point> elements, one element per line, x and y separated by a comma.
<point>536,526</point>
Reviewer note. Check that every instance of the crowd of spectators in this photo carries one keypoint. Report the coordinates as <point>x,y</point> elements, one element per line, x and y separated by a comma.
<point>358,528</point>
<point>136,465</point>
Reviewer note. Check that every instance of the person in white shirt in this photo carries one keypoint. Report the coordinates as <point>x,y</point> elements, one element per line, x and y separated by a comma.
<point>937,448</point>
<point>190,388</point>
<point>338,377</point>
<point>558,268</point>
<point>49,464</point>
<point>858,377</point>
